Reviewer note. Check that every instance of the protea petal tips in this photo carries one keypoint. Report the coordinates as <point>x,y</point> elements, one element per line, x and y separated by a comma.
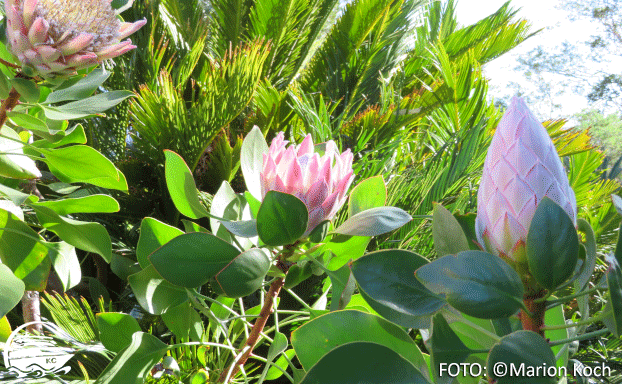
<point>58,37</point>
<point>321,182</point>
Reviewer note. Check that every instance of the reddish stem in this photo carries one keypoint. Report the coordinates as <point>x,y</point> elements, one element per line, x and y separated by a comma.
<point>8,64</point>
<point>537,309</point>
<point>8,104</point>
<point>259,325</point>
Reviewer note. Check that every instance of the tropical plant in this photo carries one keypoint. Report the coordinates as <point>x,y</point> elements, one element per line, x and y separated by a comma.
<point>366,75</point>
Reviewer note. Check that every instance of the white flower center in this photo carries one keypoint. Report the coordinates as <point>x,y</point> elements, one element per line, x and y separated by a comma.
<point>69,18</point>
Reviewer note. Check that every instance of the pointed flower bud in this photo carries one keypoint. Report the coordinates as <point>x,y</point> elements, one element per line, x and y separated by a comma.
<point>521,168</point>
<point>321,182</point>
<point>58,37</point>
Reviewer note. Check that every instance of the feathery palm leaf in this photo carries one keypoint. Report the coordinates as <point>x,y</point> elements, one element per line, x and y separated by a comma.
<point>223,90</point>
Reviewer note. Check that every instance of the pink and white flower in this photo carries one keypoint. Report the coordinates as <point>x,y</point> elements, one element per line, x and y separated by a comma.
<point>321,182</point>
<point>521,168</point>
<point>58,37</point>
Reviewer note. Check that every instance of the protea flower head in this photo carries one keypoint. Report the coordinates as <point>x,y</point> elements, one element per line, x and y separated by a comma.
<point>521,168</point>
<point>321,182</point>
<point>58,37</point>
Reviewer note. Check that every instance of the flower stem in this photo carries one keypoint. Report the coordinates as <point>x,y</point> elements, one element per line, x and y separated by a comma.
<point>534,319</point>
<point>266,310</point>
<point>259,325</point>
<point>8,64</point>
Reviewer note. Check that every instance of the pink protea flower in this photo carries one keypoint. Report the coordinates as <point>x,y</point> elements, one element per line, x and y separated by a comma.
<point>321,182</point>
<point>58,37</point>
<point>521,168</point>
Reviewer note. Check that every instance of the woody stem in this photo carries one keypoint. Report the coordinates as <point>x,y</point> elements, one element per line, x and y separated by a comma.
<point>261,321</point>
<point>533,321</point>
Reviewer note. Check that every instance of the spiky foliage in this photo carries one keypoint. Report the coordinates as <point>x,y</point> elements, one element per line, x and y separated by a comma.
<point>593,194</point>
<point>189,126</point>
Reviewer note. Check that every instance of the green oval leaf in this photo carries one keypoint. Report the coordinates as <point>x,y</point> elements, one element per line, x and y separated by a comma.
<point>85,107</point>
<point>133,364</point>
<point>449,238</point>
<point>28,122</point>
<point>116,330</point>
<point>154,293</point>
<point>5,86</point>
<point>223,205</point>
<point>27,89</point>
<point>13,163</point>
<point>73,135</point>
<point>91,237</point>
<point>181,186</point>
<point>282,218</point>
<point>278,346</point>
<point>369,193</point>
<point>5,327</point>
<point>524,349</point>
<point>83,164</point>
<point>153,235</point>
<point>552,245</point>
<point>387,281</point>
<point>66,264</point>
<point>280,365</point>
<point>319,233</point>
<point>24,252</point>
<point>244,275</point>
<point>81,89</point>
<point>476,283</point>
<point>184,322</point>
<point>191,259</point>
<point>242,228</point>
<point>363,362</point>
<point>555,317</point>
<point>344,249</point>
<point>374,222</point>
<point>297,273</point>
<point>342,327</point>
<point>87,204</point>
<point>11,290</point>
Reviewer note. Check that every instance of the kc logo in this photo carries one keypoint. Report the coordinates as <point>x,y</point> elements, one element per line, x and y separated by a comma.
<point>28,355</point>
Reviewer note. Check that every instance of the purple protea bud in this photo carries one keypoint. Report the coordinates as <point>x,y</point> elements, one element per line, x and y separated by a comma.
<point>58,37</point>
<point>321,182</point>
<point>521,168</point>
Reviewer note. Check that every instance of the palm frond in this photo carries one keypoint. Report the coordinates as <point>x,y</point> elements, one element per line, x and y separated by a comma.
<point>228,24</point>
<point>364,44</point>
<point>75,317</point>
<point>222,91</point>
